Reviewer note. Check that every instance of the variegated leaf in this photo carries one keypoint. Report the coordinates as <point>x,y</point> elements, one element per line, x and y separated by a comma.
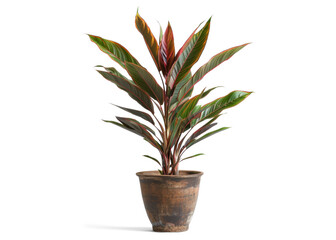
<point>196,155</point>
<point>149,38</point>
<point>211,64</point>
<point>217,106</point>
<point>189,56</point>
<point>115,50</point>
<point>205,136</point>
<point>145,81</point>
<point>143,115</point>
<point>134,91</point>
<point>154,159</point>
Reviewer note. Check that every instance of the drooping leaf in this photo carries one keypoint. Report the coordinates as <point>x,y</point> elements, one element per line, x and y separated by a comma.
<point>205,136</point>
<point>167,50</point>
<point>114,71</point>
<point>132,123</point>
<point>124,127</point>
<point>154,159</point>
<point>145,81</point>
<point>140,129</point>
<point>149,38</point>
<point>215,107</point>
<point>196,155</point>
<point>189,56</point>
<point>134,91</point>
<point>154,144</point>
<point>148,138</point>
<point>116,51</point>
<point>211,64</point>
<point>143,115</point>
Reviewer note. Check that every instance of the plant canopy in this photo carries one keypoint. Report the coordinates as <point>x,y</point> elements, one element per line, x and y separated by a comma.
<point>180,121</point>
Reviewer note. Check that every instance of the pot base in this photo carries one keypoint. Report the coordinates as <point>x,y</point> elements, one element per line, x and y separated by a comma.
<point>168,228</point>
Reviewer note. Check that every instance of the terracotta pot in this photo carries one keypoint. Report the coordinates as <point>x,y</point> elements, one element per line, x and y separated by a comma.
<point>170,200</point>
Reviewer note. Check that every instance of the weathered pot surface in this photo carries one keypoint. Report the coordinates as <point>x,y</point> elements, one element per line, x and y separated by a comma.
<point>170,200</point>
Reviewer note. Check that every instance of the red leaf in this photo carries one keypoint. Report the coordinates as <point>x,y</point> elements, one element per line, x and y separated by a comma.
<point>167,50</point>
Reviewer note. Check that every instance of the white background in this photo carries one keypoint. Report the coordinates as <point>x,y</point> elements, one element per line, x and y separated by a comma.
<point>65,174</point>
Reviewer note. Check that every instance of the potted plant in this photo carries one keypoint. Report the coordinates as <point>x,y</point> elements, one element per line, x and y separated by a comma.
<point>175,121</point>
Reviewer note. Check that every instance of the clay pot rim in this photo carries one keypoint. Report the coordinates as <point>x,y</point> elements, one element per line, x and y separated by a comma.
<point>185,174</point>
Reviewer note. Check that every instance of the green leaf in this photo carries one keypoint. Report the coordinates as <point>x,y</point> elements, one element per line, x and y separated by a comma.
<point>179,86</point>
<point>211,64</point>
<point>215,107</point>
<point>137,132</point>
<point>184,108</point>
<point>189,105</point>
<point>194,116</point>
<point>187,42</point>
<point>147,156</point>
<point>200,131</point>
<point>134,91</point>
<point>116,51</point>
<point>176,131</point>
<point>205,136</point>
<point>189,56</point>
<point>149,38</point>
<point>179,125</point>
<point>196,155</point>
<point>141,130</point>
<point>208,91</point>
<point>114,71</point>
<point>143,115</point>
<point>145,81</point>
<point>134,124</point>
<point>197,110</point>
<point>161,34</point>
<point>124,127</point>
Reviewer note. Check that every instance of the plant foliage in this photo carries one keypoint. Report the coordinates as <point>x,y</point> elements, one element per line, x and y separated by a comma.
<point>175,128</point>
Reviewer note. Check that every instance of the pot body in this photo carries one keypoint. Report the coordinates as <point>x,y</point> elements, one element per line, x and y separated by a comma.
<point>170,200</point>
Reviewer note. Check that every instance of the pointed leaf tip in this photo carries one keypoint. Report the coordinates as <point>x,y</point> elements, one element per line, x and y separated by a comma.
<point>166,55</point>
<point>149,38</point>
<point>188,55</point>
<point>114,50</point>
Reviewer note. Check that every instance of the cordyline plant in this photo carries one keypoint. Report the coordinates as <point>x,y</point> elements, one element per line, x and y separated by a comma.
<point>179,111</point>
